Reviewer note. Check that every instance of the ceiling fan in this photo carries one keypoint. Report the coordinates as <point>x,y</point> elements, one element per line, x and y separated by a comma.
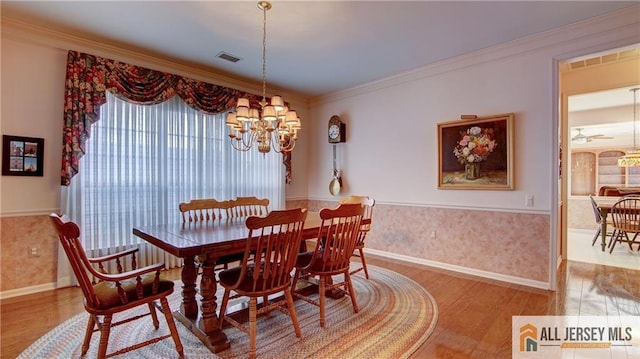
<point>580,138</point>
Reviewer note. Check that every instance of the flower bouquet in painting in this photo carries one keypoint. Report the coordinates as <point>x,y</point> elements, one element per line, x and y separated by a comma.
<point>474,146</point>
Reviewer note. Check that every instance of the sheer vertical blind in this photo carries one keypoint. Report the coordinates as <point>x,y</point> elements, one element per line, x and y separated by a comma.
<point>141,161</point>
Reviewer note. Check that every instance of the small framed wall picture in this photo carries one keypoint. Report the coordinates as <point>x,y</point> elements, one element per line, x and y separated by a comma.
<point>22,156</point>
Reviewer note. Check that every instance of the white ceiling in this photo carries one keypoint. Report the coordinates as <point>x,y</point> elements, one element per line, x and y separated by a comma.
<point>602,99</point>
<point>313,47</point>
<point>608,113</point>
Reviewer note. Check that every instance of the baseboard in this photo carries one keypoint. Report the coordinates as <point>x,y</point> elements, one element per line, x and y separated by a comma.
<point>465,270</point>
<point>27,290</point>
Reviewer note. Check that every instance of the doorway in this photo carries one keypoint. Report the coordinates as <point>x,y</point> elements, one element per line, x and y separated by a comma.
<point>597,123</point>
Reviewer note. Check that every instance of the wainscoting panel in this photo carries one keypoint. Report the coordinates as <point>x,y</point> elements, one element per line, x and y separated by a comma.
<point>509,244</point>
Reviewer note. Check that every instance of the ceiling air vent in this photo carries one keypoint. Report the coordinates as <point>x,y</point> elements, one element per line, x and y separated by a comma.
<point>227,56</point>
<point>607,58</point>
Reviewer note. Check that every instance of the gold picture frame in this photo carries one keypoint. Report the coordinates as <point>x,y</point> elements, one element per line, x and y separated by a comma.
<point>476,153</point>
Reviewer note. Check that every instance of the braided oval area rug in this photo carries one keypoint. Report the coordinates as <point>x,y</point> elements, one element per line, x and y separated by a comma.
<point>396,316</point>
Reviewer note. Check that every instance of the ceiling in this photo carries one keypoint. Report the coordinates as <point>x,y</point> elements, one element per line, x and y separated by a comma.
<point>313,47</point>
<point>608,113</point>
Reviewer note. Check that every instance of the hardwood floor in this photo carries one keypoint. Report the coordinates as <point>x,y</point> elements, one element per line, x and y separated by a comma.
<point>474,313</point>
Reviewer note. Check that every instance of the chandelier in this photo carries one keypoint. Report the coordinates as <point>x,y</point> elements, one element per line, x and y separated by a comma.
<point>272,125</point>
<point>632,159</point>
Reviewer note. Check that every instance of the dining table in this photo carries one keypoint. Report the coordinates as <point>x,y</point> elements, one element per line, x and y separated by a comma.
<point>202,243</point>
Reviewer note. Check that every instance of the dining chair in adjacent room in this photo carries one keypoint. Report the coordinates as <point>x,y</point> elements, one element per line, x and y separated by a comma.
<point>116,293</point>
<point>334,247</point>
<point>625,215</point>
<point>270,254</point>
<point>365,227</point>
<point>210,211</point>
<point>598,218</point>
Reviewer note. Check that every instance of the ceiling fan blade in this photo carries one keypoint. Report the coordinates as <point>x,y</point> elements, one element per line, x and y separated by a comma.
<point>581,138</point>
<point>599,137</point>
<point>603,138</point>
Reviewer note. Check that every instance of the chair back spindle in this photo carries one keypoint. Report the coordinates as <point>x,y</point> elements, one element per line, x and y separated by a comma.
<point>338,244</point>
<point>204,210</point>
<point>243,207</point>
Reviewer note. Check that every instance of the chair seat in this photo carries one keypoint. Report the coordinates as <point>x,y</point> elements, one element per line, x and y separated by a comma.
<point>230,258</point>
<point>304,259</point>
<point>229,278</point>
<point>108,297</point>
<point>319,266</point>
<point>629,227</point>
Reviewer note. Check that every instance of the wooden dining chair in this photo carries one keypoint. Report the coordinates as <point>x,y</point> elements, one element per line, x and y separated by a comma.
<point>365,227</point>
<point>270,254</point>
<point>335,244</point>
<point>116,293</point>
<point>625,214</point>
<point>243,207</point>
<point>598,218</point>
<point>203,210</point>
<point>210,210</point>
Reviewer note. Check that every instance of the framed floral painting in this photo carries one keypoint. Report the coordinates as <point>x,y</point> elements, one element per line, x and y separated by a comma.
<point>476,153</point>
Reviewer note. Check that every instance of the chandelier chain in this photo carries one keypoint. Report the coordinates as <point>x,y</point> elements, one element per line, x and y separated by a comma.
<point>634,90</point>
<point>264,55</point>
<point>632,158</point>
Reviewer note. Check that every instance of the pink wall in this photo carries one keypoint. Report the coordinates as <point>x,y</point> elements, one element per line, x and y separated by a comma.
<point>18,269</point>
<point>501,243</point>
<point>517,242</point>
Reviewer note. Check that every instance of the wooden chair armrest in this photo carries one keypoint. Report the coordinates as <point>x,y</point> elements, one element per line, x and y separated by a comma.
<point>113,256</point>
<point>116,257</point>
<point>130,274</point>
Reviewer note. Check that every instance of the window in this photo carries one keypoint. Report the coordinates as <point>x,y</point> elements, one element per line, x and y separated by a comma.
<point>141,161</point>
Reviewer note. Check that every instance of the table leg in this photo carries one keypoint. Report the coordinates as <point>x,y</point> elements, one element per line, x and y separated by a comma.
<point>209,322</point>
<point>189,307</point>
<point>206,325</point>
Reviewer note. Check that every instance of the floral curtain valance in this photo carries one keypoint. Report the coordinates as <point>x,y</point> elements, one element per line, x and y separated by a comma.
<point>89,77</point>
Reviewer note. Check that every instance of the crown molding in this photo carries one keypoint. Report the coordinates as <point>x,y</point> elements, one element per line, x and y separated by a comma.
<point>23,31</point>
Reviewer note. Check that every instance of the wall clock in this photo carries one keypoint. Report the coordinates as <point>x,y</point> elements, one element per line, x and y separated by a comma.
<point>337,130</point>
